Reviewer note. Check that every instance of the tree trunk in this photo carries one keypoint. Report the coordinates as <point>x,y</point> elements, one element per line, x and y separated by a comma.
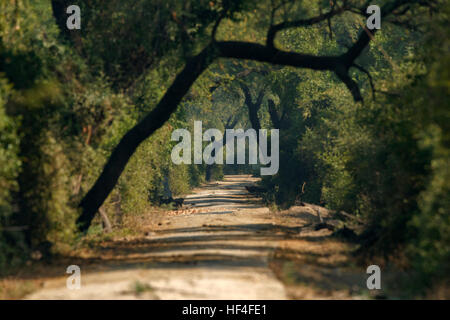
<point>276,121</point>
<point>253,107</point>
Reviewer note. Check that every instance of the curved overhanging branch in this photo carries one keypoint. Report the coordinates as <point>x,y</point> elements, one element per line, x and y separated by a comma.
<point>261,53</point>
<point>184,80</point>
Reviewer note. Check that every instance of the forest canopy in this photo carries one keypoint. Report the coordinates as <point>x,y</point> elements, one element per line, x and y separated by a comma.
<point>86,115</point>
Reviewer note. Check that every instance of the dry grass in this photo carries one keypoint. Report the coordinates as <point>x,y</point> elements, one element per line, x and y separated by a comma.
<point>14,288</point>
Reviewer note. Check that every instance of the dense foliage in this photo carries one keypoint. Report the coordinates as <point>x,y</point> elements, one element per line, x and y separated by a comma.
<point>60,116</point>
<point>68,97</point>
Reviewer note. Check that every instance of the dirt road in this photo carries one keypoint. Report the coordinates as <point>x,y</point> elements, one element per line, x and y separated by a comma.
<point>213,249</point>
<point>220,245</point>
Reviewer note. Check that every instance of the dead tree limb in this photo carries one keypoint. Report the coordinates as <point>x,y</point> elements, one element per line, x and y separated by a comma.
<point>107,227</point>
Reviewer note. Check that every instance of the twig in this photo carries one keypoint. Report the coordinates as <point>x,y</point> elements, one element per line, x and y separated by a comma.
<point>360,68</point>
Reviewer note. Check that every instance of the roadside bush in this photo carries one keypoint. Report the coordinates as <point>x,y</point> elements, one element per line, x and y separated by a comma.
<point>9,169</point>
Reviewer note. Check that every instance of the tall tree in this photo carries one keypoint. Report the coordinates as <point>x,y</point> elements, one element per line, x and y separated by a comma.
<point>268,53</point>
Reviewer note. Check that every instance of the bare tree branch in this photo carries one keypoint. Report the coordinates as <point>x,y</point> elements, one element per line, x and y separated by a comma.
<point>372,86</point>
<point>274,29</point>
